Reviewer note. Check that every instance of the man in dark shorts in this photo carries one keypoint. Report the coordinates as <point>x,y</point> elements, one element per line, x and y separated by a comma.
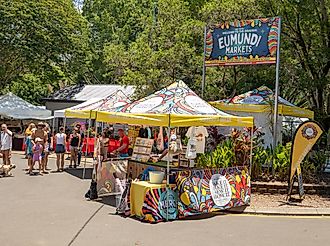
<point>81,142</point>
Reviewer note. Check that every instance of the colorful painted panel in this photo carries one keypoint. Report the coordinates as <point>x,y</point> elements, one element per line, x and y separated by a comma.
<point>111,177</point>
<point>242,42</point>
<point>210,190</point>
<point>155,205</point>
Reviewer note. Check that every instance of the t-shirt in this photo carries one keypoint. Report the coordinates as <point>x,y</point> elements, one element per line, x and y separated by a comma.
<point>200,135</point>
<point>28,132</point>
<point>124,140</point>
<point>6,140</point>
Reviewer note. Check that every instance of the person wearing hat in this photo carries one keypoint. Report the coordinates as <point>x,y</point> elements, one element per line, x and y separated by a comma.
<point>42,134</point>
<point>37,150</point>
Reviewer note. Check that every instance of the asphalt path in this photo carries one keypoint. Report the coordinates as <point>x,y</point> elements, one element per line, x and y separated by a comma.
<point>51,210</point>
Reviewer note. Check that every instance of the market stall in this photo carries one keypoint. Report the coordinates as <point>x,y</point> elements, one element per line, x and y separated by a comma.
<point>17,114</point>
<point>259,103</point>
<point>187,190</point>
<point>88,111</point>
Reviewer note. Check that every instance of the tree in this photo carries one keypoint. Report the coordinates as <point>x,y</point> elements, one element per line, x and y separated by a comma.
<point>306,52</point>
<point>36,36</point>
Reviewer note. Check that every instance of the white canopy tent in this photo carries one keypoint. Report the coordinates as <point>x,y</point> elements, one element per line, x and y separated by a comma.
<point>14,107</point>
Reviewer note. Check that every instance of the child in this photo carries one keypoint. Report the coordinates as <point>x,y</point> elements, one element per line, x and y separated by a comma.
<point>29,151</point>
<point>37,150</point>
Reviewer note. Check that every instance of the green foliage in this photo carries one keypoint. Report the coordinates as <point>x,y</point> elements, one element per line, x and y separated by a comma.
<point>150,43</point>
<point>223,156</point>
<point>36,36</point>
<point>30,88</point>
<point>281,160</point>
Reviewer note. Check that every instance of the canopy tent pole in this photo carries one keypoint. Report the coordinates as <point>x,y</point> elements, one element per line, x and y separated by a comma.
<point>251,151</point>
<point>99,161</point>
<point>204,67</point>
<point>53,125</point>
<point>86,152</point>
<point>168,165</point>
<point>276,91</point>
<point>64,125</point>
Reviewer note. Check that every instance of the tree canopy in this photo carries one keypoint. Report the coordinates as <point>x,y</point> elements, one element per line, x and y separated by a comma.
<point>150,43</point>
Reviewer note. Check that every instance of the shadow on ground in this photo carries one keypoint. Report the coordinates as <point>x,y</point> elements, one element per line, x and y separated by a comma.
<point>107,200</point>
<point>78,172</point>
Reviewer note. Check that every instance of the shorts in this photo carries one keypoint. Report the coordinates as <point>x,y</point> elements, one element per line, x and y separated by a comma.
<point>47,145</point>
<point>30,155</point>
<point>75,148</point>
<point>59,149</point>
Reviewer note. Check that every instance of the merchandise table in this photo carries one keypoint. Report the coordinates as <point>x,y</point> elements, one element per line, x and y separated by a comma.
<point>149,201</point>
<point>195,192</point>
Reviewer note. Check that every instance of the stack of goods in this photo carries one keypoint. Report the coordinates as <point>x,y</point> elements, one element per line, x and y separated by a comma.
<point>133,133</point>
<point>142,149</point>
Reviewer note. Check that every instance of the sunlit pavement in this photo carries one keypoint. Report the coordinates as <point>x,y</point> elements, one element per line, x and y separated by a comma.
<point>51,210</point>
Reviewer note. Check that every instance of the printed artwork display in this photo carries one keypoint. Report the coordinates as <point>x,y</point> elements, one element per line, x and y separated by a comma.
<point>242,42</point>
<point>142,149</point>
<point>111,177</point>
<point>210,190</point>
<point>155,205</point>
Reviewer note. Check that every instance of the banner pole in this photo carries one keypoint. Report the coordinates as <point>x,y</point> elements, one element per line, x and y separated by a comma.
<point>168,165</point>
<point>276,89</point>
<point>204,67</point>
<point>86,151</point>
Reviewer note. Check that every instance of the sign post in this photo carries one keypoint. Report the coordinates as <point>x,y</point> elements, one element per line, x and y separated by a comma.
<point>204,67</point>
<point>245,42</point>
<point>276,88</point>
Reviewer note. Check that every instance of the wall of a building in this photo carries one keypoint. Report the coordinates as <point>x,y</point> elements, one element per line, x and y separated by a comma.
<point>58,105</point>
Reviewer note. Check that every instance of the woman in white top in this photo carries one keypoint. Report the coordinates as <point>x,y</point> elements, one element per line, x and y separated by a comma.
<point>60,139</point>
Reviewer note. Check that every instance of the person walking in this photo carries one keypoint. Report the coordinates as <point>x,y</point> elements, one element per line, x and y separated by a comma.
<point>6,141</point>
<point>82,136</point>
<point>37,151</point>
<point>42,134</point>
<point>48,146</point>
<point>29,150</point>
<point>28,132</point>
<point>60,141</point>
<point>74,147</point>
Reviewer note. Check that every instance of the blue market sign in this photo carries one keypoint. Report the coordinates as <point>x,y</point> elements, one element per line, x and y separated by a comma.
<point>171,204</point>
<point>242,42</point>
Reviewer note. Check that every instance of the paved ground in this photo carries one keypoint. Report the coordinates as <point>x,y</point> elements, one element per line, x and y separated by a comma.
<point>50,210</point>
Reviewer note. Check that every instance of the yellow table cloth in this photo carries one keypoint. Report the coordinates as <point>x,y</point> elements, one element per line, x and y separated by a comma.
<point>139,197</point>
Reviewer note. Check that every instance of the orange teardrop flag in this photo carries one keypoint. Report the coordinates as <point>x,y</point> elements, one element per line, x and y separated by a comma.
<point>305,137</point>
